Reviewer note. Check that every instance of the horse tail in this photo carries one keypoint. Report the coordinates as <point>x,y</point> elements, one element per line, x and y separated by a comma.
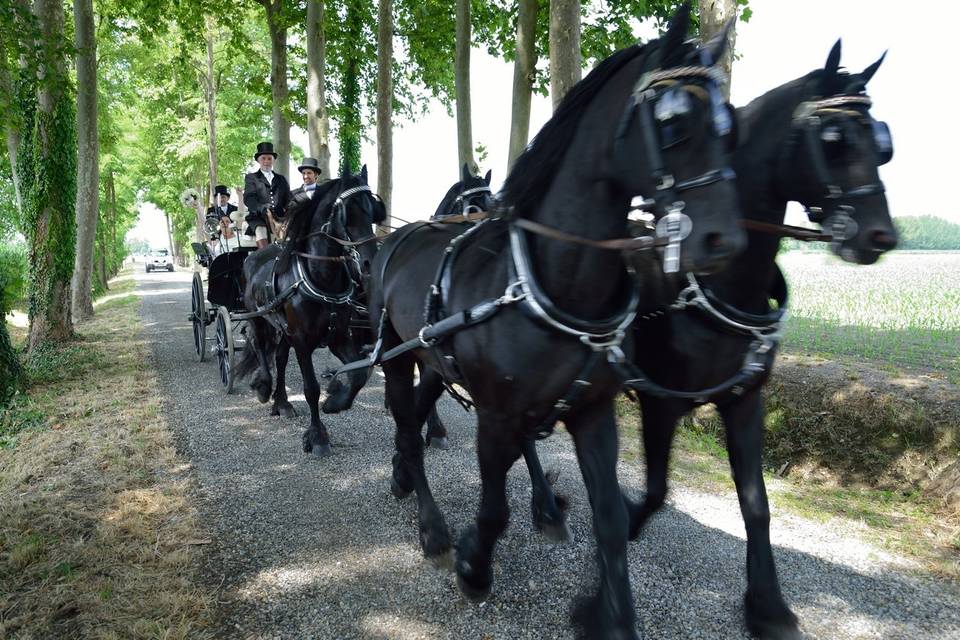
<point>249,363</point>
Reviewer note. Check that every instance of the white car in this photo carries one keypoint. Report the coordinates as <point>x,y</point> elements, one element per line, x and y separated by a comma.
<point>159,260</point>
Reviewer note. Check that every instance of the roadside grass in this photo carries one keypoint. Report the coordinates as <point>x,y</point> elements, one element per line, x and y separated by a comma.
<point>903,521</point>
<point>98,538</point>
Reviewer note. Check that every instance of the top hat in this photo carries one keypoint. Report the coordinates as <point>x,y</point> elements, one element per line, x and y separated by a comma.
<point>264,148</point>
<point>221,190</point>
<point>309,163</point>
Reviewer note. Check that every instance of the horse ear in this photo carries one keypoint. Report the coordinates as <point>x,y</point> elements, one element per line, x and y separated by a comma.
<point>831,67</point>
<point>718,43</point>
<point>676,34</point>
<point>867,73</point>
<point>486,178</point>
<point>464,172</point>
<point>363,174</point>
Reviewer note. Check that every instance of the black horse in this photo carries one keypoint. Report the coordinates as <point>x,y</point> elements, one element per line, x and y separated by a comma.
<point>311,286</point>
<point>471,195</point>
<point>811,140</point>
<point>546,312</point>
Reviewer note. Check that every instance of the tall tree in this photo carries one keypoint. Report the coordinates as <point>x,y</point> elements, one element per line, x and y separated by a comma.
<point>714,14</point>
<point>564,48</point>
<point>524,68</point>
<point>209,79</point>
<point>462,80</point>
<point>385,105</point>
<point>318,122</point>
<point>277,24</point>
<point>88,159</point>
<point>50,188</point>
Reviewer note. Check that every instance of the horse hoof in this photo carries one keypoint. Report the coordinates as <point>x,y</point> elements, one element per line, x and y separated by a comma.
<point>398,492</point>
<point>285,410</point>
<point>321,450</point>
<point>556,532</point>
<point>472,593</point>
<point>776,623</point>
<point>440,443</point>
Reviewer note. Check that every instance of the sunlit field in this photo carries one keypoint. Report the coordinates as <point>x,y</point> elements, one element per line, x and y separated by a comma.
<point>904,310</point>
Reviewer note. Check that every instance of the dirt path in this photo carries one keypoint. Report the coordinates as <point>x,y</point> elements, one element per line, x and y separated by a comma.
<point>308,548</point>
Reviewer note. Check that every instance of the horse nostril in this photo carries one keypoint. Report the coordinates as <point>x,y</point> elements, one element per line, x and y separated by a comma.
<point>883,240</point>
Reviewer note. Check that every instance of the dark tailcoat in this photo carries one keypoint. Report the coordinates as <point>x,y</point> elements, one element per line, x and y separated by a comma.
<point>259,195</point>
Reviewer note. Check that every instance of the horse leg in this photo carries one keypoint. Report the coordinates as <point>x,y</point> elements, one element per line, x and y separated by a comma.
<point>315,439</point>
<point>609,613</point>
<point>436,431</point>
<point>262,381</point>
<point>497,450</point>
<point>408,471</point>
<point>340,396</point>
<point>767,614</point>
<point>659,425</point>
<point>549,510</point>
<point>281,405</point>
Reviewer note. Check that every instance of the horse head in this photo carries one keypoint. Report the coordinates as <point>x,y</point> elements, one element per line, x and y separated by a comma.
<point>673,146</point>
<point>830,148</point>
<point>470,195</point>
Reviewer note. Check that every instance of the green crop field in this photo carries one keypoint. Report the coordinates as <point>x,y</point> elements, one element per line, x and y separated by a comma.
<point>902,311</point>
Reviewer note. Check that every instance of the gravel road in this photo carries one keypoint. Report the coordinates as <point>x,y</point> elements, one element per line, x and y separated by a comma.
<point>308,548</point>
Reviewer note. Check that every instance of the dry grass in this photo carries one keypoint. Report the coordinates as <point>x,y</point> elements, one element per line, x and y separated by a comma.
<point>98,538</point>
<point>846,443</point>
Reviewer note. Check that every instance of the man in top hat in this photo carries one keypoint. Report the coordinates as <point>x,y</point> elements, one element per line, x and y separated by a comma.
<point>222,209</point>
<point>310,170</point>
<point>265,193</point>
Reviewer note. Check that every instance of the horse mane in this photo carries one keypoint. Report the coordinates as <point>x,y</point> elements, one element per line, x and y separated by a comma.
<point>301,214</point>
<point>536,167</point>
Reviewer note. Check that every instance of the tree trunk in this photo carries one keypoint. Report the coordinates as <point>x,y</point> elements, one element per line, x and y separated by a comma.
<point>462,86</point>
<point>564,47</point>
<point>88,159</point>
<point>318,122</point>
<point>11,124</point>
<point>169,235</point>
<point>385,107</point>
<point>350,127</point>
<point>210,93</point>
<point>53,191</point>
<point>278,83</point>
<point>713,15</point>
<point>524,67</point>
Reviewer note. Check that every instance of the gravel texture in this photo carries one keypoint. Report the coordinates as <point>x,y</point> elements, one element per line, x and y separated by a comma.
<point>310,548</point>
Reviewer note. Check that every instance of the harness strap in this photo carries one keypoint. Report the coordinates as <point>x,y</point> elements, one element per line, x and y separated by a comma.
<point>787,231</point>
<point>570,398</point>
<point>617,244</point>
<point>313,256</point>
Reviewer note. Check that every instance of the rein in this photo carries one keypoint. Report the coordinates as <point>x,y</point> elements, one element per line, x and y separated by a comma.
<point>787,231</point>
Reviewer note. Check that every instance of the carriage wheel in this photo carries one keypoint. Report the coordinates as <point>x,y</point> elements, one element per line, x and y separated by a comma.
<point>225,348</point>
<point>199,318</point>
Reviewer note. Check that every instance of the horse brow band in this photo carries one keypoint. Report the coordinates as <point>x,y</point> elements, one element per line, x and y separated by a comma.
<point>695,89</point>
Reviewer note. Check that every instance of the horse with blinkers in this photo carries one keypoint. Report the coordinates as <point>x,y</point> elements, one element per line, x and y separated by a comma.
<point>307,291</point>
<point>812,140</point>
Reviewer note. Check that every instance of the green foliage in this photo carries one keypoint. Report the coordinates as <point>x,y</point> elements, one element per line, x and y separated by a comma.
<point>13,276</point>
<point>928,233</point>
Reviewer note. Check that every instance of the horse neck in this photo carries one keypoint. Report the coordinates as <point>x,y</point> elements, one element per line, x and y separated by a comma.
<point>579,279</point>
<point>747,281</point>
<point>326,274</point>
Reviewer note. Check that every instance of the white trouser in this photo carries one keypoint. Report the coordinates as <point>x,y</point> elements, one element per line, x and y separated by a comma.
<point>261,232</point>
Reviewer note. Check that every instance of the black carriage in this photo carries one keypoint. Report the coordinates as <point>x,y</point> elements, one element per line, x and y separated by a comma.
<point>221,305</point>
